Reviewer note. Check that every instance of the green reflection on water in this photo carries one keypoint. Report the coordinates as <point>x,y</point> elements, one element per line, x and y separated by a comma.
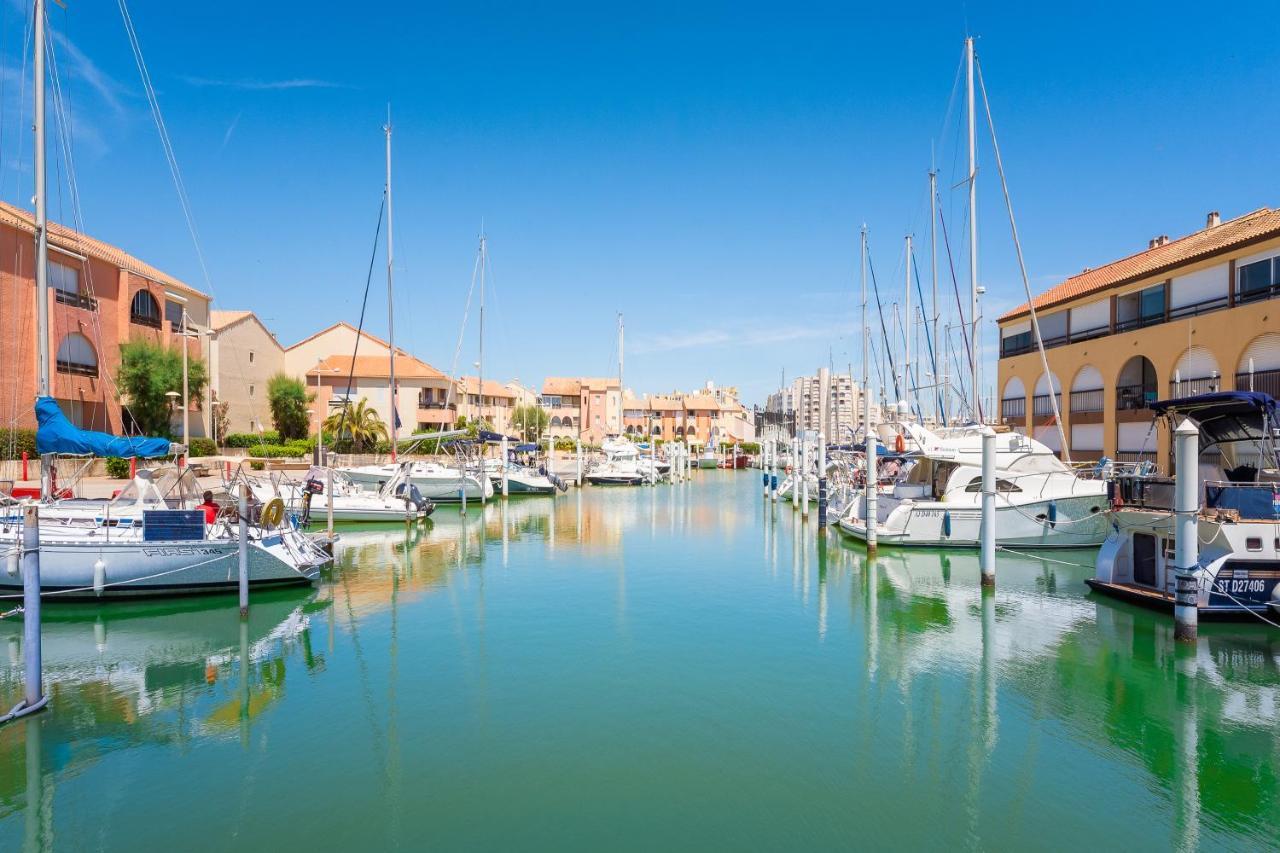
<point>677,666</point>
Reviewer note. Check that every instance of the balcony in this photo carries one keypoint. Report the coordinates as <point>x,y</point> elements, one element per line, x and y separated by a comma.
<point>77,369</point>
<point>1197,308</point>
<point>1014,409</point>
<point>1192,387</point>
<point>1138,323</point>
<point>1134,398</point>
<point>1266,381</point>
<point>1042,407</point>
<point>75,300</point>
<point>1258,294</point>
<point>145,320</point>
<point>1086,401</point>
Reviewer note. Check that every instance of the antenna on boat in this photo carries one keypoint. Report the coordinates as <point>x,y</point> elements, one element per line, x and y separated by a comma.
<point>391,309</point>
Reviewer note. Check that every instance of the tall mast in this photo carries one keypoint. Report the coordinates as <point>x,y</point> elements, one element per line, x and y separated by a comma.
<point>933,263</point>
<point>973,238</point>
<point>620,350</point>
<point>907,328</point>
<point>480,364</point>
<point>42,235</point>
<point>866,333</point>
<point>391,309</point>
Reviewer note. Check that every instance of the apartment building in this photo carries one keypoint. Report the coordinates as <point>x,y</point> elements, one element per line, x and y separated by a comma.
<point>1180,317</point>
<point>243,356</point>
<point>100,297</point>
<point>585,408</point>
<point>494,407</point>
<point>827,402</point>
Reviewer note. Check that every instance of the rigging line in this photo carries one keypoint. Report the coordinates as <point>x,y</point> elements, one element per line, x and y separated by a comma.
<point>364,303</point>
<point>1022,268</point>
<point>955,286</point>
<point>928,339</point>
<point>165,141</point>
<point>884,333</point>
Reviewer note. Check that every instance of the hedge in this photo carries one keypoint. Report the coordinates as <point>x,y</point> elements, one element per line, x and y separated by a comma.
<point>14,441</point>
<point>203,447</point>
<point>250,439</point>
<point>117,468</point>
<point>287,451</point>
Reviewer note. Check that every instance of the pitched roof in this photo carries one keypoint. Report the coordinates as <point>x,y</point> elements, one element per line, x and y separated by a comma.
<point>376,367</point>
<point>561,385</point>
<point>338,325</point>
<point>600,384</point>
<point>219,320</point>
<point>73,241</point>
<point>1258,225</point>
<point>491,388</point>
<point>664,404</point>
<point>701,401</point>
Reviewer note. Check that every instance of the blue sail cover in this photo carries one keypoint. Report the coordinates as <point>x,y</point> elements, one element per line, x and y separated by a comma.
<point>56,434</point>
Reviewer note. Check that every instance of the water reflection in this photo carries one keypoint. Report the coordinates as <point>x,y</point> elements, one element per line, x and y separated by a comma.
<point>609,648</point>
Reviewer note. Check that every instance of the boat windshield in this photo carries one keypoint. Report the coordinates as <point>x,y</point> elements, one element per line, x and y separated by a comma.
<point>163,488</point>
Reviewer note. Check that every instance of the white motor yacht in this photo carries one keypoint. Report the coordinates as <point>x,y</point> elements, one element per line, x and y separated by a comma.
<point>437,483</point>
<point>1040,501</point>
<point>396,500</point>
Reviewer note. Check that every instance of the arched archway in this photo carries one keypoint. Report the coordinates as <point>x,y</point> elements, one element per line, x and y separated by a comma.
<point>1084,410</point>
<point>567,423</point>
<point>144,310</point>
<point>556,422</point>
<point>77,356</point>
<point>1136,385</point>
<point>1259,367</point>
<point>1046,385</point>
<point>1013,402</point>
<point>1196,372</point>
<point>1136,389</point>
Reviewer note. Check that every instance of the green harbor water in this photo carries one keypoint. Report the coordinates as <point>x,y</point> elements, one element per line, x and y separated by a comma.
<point>650,668</point>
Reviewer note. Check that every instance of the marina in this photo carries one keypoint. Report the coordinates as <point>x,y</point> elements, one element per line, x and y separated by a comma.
<point>528,674</point>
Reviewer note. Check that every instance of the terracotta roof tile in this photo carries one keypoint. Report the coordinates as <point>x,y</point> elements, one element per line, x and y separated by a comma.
<point>491,388</point>
<point>701,401</point>
<point>73,241</point>
<point>1205,243</point>
<point>562,386</point>
<point>376,367</point>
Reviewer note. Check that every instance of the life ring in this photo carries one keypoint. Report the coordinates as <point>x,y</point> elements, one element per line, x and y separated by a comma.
<point>272,513</point>
<point>900,443</point>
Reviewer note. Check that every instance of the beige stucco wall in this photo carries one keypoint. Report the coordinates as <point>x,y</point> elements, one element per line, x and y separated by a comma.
<point>243,359</point>
<point>339,340</point>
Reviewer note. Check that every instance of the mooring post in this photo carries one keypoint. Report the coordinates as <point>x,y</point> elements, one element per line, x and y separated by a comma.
<point>822,480</point>
<point>806,459</point>
<point>987,528</point>
<point>1186,610</point>
<point>505,459</point>
<point>482,473</point>
<point>872,508</point>
<point>31,606</point>
<point>577,454</point>
<point>242,509</point>
<point>773,471</point>
<point>328,511</point>
<point>764,466</point>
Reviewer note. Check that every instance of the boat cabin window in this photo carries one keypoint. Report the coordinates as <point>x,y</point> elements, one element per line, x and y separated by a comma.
<point>1144,559</point>
<point>1002,486</point>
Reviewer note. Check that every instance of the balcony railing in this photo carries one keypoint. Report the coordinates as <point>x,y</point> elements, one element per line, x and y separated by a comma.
<point>1041,407</point>
<point>1191,387</point>
<point>76,300</point>
<point>1138,323</point>
<point>1134,397</point>
<point>435,404</point>
<point>1197,308</point>
<point>1266,381</point>
<point>143,320</point>
<point>1087,401</point>
<point>1014,409</point>
<point>77,369</point>
<point>1089,334</point>
<point>1258,295</point>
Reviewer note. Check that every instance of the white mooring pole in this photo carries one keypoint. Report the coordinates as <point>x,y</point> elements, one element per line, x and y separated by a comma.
<point>1186,611</point>
<point>987,530</point>
<point>822,480</point>
<point>328,511</point>
<point>242,509</point>
<point>773,471</point>
<point>806,457</point>
<point>872,510</point>
<point>33,696</point>
<point>577,454</point>
<point>505,458</point>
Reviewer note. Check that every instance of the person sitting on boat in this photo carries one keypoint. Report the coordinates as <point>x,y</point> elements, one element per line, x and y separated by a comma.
<point>211,509</point>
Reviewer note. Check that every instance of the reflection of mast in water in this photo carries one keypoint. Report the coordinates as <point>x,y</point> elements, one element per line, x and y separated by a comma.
<point>244,683</point>
<point>38,818</point>
<point>985,718</point>
<point>506,537</point>
<point>822,585</point>
<point>577,517</point>
<point>795,551</point>
<point>395,776</point>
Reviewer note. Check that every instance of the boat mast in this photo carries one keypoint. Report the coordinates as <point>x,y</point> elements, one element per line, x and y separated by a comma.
<point>43,388</point>
<point>620,427</point>
<point>908,326</point>
<point>933,262</point>
<point>391,310</point>
<point>973,237</point>
<point>480,363</point>
<point>866,334</point>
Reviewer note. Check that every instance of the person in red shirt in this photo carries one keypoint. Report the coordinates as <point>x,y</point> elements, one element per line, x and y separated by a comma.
<point>210,508</point>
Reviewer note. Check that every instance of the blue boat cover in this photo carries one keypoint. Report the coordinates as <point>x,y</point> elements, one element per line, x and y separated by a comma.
<point>56,434</point>
<point>526,448</point>
<point>494,437</point>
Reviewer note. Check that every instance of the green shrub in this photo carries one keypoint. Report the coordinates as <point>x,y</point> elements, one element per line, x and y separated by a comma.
<point>117,468</point>
<point>257,466</point>
<point>203,447</point>
<point>750,447</point>
<point>249,439</point>
<point>565,444</point>
<point>14,441</point>
<point>286,451</point>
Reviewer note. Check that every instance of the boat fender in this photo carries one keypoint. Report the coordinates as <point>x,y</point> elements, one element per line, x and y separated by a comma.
<point>11,562</point>
<point>99,576</point>
<point>946,523</point>
<point>1053,514</point>
<point>900,444</point>
<point>272,513</point>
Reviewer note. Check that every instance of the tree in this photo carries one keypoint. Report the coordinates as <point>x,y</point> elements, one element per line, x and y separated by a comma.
<point>359,425</point>
<point>221,418</point>
<point>530,420</point>
<point>148,372</point>
<point>288,399</point>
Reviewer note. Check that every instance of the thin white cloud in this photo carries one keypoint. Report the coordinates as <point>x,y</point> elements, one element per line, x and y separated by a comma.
<point>263,85</point>
<point>80,66</point>
<point>231,128</point>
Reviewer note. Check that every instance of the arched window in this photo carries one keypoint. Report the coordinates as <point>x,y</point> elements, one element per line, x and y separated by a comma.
<point>657,429</point>
<point>680,431</point>
<point>567,422</point>
<point>555,422</point>
<point>1013,402</point>
<point>76,356</point>
<point>144,310</point>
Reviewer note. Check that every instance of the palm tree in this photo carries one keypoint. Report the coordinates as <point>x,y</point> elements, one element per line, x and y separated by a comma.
<point>360,425</point>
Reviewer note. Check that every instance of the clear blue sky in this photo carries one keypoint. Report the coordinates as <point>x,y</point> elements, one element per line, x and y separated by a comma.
<point>704,171</point>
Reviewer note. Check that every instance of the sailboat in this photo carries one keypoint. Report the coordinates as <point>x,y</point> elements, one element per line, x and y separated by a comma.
<point>622,465</point>
<point>166,548</point>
